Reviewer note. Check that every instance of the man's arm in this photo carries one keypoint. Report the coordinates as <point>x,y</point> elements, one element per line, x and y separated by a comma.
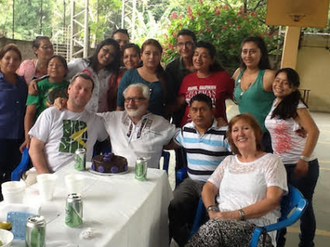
<point>171,145</point>
<point>37,156</point>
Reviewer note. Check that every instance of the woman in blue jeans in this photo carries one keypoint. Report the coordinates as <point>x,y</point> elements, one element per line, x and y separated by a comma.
<point>289,113</point>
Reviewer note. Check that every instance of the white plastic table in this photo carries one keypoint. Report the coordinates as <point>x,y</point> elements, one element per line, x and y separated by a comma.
<point>121,210</point>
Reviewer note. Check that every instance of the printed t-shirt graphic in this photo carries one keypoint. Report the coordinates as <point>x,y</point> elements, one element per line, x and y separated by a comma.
<point>74,136</point>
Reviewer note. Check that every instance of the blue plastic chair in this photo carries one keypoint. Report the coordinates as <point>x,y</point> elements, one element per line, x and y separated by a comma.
<point>293,202</point>
<point>166,156</point>
<point>181,175</point>
<point>199,218</point>
<point>22,166</point>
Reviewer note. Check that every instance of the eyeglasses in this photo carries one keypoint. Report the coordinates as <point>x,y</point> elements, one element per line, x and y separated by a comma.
<point>46,47</point>
<point>190,44</point>
<point>135,99</point>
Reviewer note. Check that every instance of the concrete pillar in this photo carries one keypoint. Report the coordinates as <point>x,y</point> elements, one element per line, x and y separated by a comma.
<point>290,48</point>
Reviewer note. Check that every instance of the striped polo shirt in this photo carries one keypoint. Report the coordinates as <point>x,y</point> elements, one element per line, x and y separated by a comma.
<point>204,152</point>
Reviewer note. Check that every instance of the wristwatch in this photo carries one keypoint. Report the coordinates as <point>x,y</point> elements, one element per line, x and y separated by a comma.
<point>212,208</point>
<point>241,214</point>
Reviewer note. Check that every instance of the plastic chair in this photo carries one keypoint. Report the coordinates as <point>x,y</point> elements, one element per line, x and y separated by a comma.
<point>293,201</point>
<point>181,175</point>
<point>166,156</point>
<point>199,218</point>
<point>22,166</point>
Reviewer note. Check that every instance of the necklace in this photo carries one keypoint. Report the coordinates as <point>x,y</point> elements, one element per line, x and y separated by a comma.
<point>242,91</point>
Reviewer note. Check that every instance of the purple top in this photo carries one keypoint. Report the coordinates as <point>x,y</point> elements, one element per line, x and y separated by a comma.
<point>12,108</point>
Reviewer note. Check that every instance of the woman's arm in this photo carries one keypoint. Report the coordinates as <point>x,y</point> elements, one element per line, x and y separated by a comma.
<point>209,193</point>
<point>28,123</point>
<point>268,80</point>
<point>307,122</point>
<point>258,209</point>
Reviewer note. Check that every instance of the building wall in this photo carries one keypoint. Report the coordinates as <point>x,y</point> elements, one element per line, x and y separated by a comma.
<point>24,46</point>
<point>313,66</point>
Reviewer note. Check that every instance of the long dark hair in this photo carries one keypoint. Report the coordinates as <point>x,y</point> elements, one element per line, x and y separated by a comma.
<point>216,66</point>
<point>287,108</point>
<point>114,65</point>
<point>160,72</point>
<point>264,60</point>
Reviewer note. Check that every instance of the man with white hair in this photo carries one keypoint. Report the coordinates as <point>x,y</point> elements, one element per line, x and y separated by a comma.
<point>136,132</point>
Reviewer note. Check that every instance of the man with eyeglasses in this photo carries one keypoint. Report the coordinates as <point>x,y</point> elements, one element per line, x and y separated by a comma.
<point>178,69</point>
<point>136,132</point>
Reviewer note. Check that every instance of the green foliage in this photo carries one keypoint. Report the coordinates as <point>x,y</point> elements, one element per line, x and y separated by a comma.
<point>28,15</point>
<point>223,25</point>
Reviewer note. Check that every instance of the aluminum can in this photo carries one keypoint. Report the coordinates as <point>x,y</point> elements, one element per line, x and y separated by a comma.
<point>80,156</point>
<point>35,231</point>
<point>74,210</point>
<point>141,168</point>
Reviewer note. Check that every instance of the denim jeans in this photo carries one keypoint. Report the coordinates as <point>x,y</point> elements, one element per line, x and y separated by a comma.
<point>306,185</point>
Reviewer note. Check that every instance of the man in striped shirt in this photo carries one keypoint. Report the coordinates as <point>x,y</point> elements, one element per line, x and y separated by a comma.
<point>206,146</point>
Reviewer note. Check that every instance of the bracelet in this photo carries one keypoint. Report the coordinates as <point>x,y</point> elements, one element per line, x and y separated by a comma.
<point>242,214</point>
<point>304,158</point>
<point>212,208</point>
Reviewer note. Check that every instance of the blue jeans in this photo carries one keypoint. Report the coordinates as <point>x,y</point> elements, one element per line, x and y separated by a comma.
<point>306,185</point>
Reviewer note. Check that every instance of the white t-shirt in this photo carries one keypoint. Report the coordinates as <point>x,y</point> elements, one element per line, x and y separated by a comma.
<point>146,139</point>
<point>99,99</point>
<point>65,131</point>
<point>285,140</point>
<point>242,184</point>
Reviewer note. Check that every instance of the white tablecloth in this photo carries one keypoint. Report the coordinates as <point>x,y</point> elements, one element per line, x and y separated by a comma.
<point>121,210</point>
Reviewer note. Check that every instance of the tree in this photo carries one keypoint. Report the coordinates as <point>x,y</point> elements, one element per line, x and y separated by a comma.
<point>223,25</point>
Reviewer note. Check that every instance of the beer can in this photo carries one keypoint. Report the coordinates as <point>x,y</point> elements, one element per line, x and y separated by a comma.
<point>141,169</point>
<point>80,156</point>
<point>73,210</point>
<point>35,231</point>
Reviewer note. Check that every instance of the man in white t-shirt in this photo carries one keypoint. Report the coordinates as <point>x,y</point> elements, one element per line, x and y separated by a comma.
<point>136,132</point>
<point>57,134</point>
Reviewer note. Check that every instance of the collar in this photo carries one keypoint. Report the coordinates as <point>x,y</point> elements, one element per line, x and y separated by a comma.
<point>20,79</point>
<point>128,120</point>
<point>213,126</point>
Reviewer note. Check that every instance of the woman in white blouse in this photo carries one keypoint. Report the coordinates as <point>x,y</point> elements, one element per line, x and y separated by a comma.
<point>248,185</point>
<point>289,113</point>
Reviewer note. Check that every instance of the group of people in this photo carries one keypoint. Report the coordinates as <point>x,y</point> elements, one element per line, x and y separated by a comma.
<point>123,95</point>
<point>248,185</point>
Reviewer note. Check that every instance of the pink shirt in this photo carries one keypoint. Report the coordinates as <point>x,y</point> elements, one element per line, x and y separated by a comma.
<point>28,70</point>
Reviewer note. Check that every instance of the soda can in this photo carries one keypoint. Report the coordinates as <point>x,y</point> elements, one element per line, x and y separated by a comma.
<point>73,210</point>
<point>35,231</point>
<point>141,169</point>
<point>80,156</point>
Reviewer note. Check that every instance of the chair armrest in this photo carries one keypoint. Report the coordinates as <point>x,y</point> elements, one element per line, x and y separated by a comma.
<point>181,175</point>
<point>295,216</point>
